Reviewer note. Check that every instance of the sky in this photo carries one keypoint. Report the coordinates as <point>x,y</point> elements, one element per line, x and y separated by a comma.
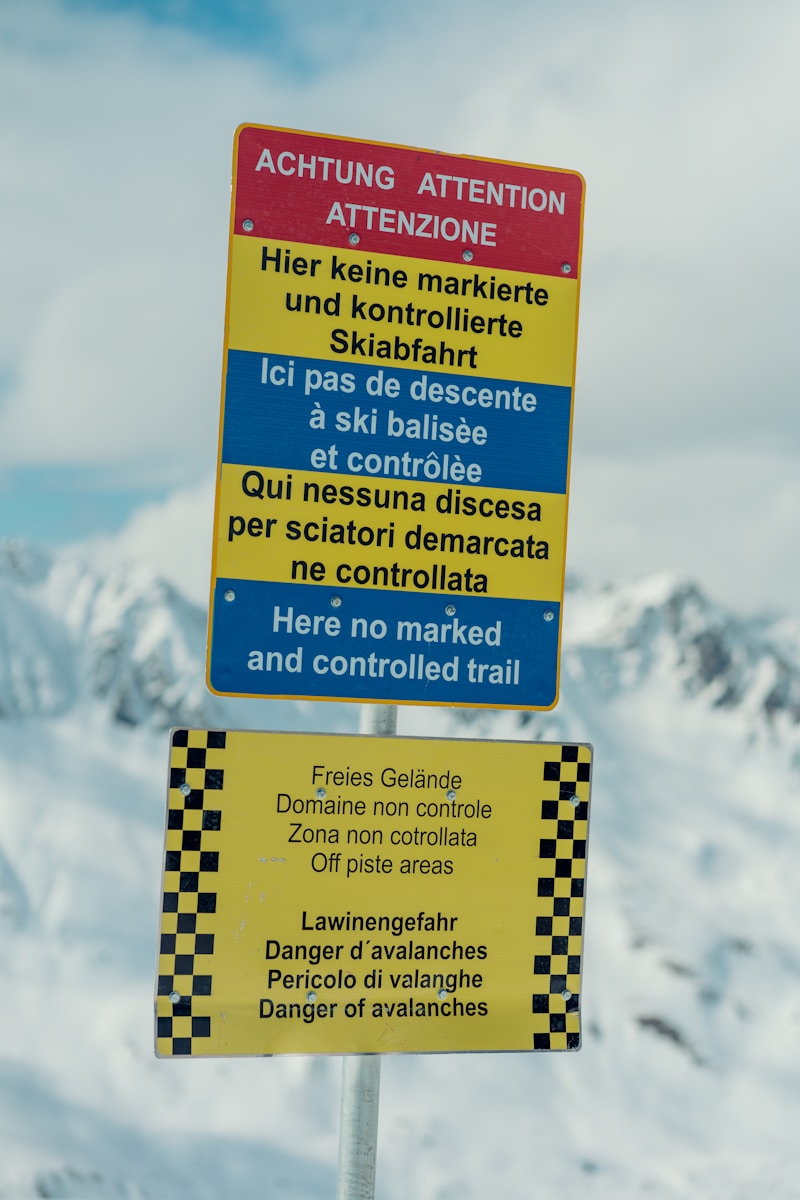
<point>116,127</point>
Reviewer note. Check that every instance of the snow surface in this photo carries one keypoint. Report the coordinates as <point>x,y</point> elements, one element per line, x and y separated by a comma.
<point>688,1083</point>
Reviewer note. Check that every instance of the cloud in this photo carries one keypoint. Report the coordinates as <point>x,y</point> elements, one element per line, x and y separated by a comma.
<point>173,536</point>
<point>123,368</point>
<point>727,518</point>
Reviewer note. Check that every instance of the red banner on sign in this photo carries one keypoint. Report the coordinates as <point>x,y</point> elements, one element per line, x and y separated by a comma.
<point>388,199</point>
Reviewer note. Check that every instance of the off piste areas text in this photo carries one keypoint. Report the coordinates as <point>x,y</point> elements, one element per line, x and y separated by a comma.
<point>401,819</point>
<point>442,306</point>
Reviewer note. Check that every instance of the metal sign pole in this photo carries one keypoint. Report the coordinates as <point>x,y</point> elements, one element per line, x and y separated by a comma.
<point>361,1073</point>
<point>358,1126</point>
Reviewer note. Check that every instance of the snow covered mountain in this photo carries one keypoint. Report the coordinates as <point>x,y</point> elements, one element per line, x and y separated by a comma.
<point>126,640</point>
<point>688,1083</point>
<point>625,637</point>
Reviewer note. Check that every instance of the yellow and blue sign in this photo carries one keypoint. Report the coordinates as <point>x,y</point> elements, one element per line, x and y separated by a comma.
<point>327,894</point>
<point>395,436</point>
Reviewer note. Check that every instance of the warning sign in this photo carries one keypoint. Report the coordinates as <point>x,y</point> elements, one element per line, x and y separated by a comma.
<point>394,453</point>
<point>329,895</point>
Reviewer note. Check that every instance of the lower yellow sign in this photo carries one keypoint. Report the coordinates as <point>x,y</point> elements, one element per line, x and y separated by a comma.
<point>330,894</point>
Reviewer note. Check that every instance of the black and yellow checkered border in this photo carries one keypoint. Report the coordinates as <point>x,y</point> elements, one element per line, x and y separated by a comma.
<point>189,901</point>
<point>558,939</point>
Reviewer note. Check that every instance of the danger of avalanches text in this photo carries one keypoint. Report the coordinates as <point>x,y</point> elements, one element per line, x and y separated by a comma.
<point>359,341</point>
<point>341,968</point>
<point>439,576</point>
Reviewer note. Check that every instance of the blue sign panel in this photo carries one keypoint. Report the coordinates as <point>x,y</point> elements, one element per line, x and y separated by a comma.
<point>291,639</point>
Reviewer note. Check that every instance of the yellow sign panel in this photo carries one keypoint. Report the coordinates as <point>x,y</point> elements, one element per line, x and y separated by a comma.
<point>336,894</point>
<point>499,546</point>
<point>438,317</point>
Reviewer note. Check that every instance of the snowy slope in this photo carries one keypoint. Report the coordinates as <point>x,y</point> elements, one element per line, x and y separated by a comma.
<point>68,635</point>
<point>688,1084</point>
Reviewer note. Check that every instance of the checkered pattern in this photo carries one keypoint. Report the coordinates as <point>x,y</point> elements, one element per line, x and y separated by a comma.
<point>558,936</point>
<point>191,862</point>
